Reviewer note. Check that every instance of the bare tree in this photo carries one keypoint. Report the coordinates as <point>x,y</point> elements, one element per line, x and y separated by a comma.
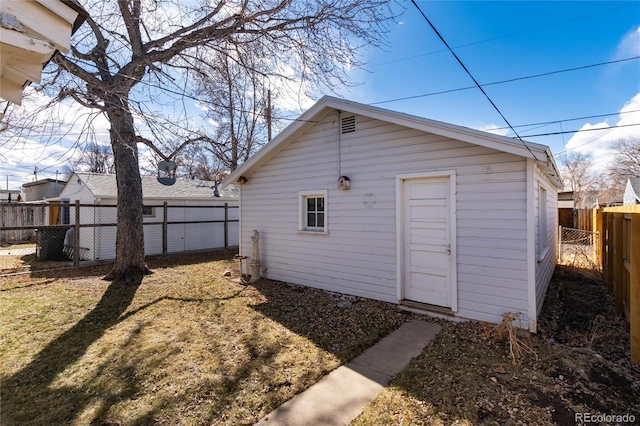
<point>626,163</point>
<point>133,55</point>
<point>236,100</point>
<point>578,176</point>
<point>95,158</point>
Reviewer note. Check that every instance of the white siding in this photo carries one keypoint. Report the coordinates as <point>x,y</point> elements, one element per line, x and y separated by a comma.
<point>546,263</point>
<point>76,190</point>
<point>359,254</point>
<point>629,198</point>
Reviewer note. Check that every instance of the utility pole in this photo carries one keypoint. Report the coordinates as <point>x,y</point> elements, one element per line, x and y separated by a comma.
<point>35,172</point>
<point>268,115</point>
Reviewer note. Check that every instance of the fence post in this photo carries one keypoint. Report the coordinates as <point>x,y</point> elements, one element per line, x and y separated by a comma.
<point>2,213</point>
<point>76,236</point>
<point>226,225</point>
<point>602,228</point>
<point>610,254</point>
<point>597,229</point>
<point>634,287</point>
<point>559,257</point>
<point>165,216</point>
<point>618,263</point>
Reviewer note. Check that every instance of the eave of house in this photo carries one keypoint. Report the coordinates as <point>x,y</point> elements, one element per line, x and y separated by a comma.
<point>540,153</point>
<point>30,34</point>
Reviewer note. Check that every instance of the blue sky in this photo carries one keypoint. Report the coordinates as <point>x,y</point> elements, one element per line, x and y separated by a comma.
<point>503,40</point>
<point>496,41</point>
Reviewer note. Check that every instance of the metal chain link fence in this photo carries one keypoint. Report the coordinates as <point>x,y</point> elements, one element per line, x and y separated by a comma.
<point>167,229</point>
<point>577,247</point>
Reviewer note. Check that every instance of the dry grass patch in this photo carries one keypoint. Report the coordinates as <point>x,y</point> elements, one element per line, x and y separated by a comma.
<point>188,346</point>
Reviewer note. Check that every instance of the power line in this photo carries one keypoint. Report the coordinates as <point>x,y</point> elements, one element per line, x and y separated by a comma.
<point>541,124</point>
<point>578,146</point>
<point>511,80</point>
<point>586,117</point>
<point>185,95</point>
<point>502,36</point>
<point>581,130</point>
<point>473,78</point>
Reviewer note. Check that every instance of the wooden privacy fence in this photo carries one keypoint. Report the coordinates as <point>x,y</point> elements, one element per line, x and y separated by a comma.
<point>584,219</point>
<point>23,217</point>
<point>619,258</point>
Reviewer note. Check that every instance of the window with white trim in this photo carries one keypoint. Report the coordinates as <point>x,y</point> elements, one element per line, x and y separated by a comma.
<point>313,211</point>
<point>148,211</point>
<point>543,234</point>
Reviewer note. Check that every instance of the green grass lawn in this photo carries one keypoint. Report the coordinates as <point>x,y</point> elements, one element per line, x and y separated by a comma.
<point>187,346</point>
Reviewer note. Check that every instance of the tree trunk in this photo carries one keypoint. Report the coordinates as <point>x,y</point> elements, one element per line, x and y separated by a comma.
<point>129,265</point>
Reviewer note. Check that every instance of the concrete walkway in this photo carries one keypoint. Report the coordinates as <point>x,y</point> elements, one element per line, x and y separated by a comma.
<point>341,395</point>
<point>18,251</point>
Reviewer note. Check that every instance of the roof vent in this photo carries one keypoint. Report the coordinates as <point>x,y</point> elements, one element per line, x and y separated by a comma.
<point>348,124</point>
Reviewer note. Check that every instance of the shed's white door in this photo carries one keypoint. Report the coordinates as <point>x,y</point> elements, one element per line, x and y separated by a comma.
<point>427,240</point>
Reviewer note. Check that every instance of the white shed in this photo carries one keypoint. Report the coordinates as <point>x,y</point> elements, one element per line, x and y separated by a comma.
<point>380,204</point>
<point>186,199</point>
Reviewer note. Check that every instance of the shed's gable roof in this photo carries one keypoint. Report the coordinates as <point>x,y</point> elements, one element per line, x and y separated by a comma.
<point>104,186</point>
<point>327,104</point>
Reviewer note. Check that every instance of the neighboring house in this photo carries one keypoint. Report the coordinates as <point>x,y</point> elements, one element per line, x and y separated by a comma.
<point>380,204</point>
<point>30,34</point>
<point>42,189</point>
<point>91,188</point>
<point>566,212</point>
<point>632,192</point>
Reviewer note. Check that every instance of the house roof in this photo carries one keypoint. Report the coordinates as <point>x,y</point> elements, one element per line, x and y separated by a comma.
<point>43,182</point>
<point>634,183</point>
<point>540,153</point>
<point>565,195</point>
<point>104,186</point>
<point>31,32</point>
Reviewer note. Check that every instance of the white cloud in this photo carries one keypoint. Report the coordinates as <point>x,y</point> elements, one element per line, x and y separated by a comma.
<point>53,140</point>
<point>630,44</point>
<point>291,94</point>
<point>492,128</point>
<point>597,143</point>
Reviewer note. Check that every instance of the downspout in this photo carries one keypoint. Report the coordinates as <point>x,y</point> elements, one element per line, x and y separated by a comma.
<point>339,143</point>
<point>240,232</point>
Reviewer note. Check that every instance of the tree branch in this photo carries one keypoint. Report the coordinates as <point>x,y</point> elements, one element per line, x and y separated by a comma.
<point>132,23</point>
